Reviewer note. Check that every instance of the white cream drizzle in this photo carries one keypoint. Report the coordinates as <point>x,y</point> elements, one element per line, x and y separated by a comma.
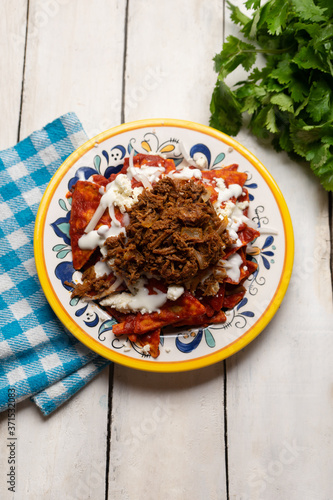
<point>101,268</point>
<point>146,174</point>
<point>97,237</point>
<point>225,193</point>
<point>140,300</point>
<point>120,193</point>
<point>117,193</point>
<point>187,158</point>
<point>232,266</point>
<point>186,173</point>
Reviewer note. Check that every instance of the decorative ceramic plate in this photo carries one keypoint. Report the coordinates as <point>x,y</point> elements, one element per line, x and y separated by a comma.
<point>189,348</point>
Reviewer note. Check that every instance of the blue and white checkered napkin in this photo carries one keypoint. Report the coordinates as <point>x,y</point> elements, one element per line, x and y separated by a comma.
<point>38,357</point>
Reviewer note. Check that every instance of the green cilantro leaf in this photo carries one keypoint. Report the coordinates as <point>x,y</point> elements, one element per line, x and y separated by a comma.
<point>225,109</point>
<point>283,101</point>
<point>283,72</point>
<point>234,53</point>
<point>319,105</point>
<point>277,18</point>
<point>298,90</point>
<point>308,10</point>
<point>237,15</point>
<point>318,155</point>
<point>284,141</point>
<point>270,122</point>
<point>328,6</point>
<point>252,3</point>
<point>308,58</point>
<point>290,99</point>
<point>325,173</point>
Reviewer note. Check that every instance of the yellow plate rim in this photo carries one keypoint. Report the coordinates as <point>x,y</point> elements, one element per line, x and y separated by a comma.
<point>165,366</point>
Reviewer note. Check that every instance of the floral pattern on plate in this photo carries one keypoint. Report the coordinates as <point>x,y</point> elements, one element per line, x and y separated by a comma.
<point>105,157</point>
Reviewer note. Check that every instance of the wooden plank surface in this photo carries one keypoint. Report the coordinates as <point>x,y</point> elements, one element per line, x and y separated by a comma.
<point>169,67</point>
<point>167,436</point>
<point>168,432</point>
<point>13,21</point>
<point>74,61</point>
<point>279,389</point>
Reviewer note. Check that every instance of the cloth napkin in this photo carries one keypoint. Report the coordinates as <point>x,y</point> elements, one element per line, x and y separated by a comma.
<point>39,358</point>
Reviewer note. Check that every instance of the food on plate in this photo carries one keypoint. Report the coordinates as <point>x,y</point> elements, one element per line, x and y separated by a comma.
<point>162,245</point>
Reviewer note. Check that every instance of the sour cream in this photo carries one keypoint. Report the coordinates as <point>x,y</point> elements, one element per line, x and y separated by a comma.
<point>232,266</point>
<point>101,268</point>
<point>225,193</point>
<point>186,173</point>
<point>97,237</point>
<point>118,193</point>
<point>140,300</point>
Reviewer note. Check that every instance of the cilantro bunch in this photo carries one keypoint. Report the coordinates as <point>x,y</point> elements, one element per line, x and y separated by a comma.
<point>291,98</point>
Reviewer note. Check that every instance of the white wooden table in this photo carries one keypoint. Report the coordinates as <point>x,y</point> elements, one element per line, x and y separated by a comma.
<point>260,424</point>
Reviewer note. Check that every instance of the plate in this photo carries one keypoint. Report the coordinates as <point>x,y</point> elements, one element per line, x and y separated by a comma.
<point>184,349</point>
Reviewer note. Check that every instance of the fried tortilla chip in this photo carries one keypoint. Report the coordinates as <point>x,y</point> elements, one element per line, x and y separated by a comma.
<point>171,312</point>
<point>85,200</point>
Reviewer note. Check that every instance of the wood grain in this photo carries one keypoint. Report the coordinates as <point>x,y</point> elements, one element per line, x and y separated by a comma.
<point>167,436</point>
<point>169,67</point>
<point>279,389</point>
<point>74,61</point>
<point>13,21</point>
<point>168,432</point>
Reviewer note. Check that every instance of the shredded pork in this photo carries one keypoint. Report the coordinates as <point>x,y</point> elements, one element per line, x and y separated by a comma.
<point>174,235</point>
<point>94,287</point>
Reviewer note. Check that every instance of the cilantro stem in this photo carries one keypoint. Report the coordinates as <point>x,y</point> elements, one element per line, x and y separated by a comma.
<point>297,77</point>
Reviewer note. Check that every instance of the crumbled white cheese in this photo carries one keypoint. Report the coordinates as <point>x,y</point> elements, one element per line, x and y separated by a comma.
<point>146,349</point>
<point>220,183</point>
<point>234,213</point>
<point>242,205</point>
<point>174,292</point>
<point>201,160</point>
<point>121,193</point>
<point>118,193</point>
<point>225,211</point>
<point>139,301</point>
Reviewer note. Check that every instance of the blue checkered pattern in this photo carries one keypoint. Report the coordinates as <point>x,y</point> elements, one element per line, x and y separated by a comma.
<point>35,350</point>
<point>55,395</point>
